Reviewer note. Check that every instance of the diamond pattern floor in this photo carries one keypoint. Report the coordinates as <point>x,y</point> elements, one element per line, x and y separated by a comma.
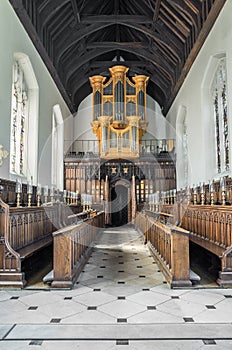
<point>120,286</point>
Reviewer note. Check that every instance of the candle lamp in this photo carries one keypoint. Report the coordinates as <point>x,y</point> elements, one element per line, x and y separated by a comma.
<point>68,197</point>
<point>46,194</point>
<point>194,194</point>
<point>223,190</point>
<point>77,197</point>
<point>211,188</point>
<point>18,190</point>
<point>169,197</point>
<point>64,196</point>
<point>52,193</point>
<point>188,195</point>
<point>57,195</point>
<point>174,196</point>
<point>38,194</point>
<point>83,201</point>
<point>29,192</point>
<point>71,197</point>
<point>156,201</point>
<point>202,188</point>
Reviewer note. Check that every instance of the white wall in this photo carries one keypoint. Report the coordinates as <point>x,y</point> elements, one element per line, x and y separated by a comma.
<point>83,128</point>
<point>13,38</point>
<point>192,96</point>
<point>83,119</point>
<point>157,123</point>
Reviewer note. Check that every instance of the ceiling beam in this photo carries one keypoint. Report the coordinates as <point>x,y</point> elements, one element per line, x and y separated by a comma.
<point>76,11</point>
<point>208,24</point>
<point>156,12</point>
<point>49,6</point>
<point>117,44</point>
<point>154,58</point>
<point>115,18</point>
<point>139,6</point>
<point>48,11</point>
<point>131,64</point>
<point>175,19</point>
<point>71,40</point>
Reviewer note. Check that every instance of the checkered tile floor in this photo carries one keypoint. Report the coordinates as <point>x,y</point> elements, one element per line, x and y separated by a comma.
<point>119,300</point>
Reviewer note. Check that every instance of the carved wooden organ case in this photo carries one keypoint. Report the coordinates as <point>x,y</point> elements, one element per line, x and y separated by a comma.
<point>119,113</point>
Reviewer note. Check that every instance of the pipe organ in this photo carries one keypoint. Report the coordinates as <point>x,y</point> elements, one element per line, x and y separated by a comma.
<point>119,113</point>
<point>123,170</point>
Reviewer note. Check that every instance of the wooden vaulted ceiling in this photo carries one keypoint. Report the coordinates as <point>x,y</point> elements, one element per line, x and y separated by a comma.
<point>81,38</point>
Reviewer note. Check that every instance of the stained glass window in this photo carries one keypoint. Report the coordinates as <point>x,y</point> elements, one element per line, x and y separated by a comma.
<point>19,121</point>
<point>185,151</point>
<point>219,94</point>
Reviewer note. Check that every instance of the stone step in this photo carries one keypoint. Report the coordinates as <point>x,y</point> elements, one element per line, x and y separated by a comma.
<point>181,331</point>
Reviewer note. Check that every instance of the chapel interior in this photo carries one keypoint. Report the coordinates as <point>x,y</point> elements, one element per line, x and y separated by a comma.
<point>115,114</point>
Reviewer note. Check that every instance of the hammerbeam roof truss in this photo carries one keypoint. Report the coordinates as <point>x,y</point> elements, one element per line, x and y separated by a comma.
<point>81,38</point>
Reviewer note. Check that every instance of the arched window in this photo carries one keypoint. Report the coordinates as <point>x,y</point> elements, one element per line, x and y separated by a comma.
<point>219,100</point>
<point>57,148</point>
<point>24,119</point>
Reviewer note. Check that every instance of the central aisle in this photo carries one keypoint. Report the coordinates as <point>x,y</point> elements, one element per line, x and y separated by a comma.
<point>120,299</point>
<point>120,266</point>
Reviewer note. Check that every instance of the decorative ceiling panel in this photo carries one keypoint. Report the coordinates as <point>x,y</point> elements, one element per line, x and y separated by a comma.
<point>81,38</point>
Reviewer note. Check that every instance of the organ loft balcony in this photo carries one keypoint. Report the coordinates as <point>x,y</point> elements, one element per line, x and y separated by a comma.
<point>89,149</point>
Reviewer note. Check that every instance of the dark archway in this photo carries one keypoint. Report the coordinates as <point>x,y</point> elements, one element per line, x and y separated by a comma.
<point>119,204</point>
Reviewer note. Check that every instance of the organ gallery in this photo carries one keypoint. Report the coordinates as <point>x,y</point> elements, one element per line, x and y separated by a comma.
<point>121,169</point>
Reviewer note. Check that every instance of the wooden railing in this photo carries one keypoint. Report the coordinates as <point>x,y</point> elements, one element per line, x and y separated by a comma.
<point>170,247</point>
<point>211,228</point>
<point>72,247</point>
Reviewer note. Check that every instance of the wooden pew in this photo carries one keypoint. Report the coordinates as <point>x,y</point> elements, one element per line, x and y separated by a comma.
<point>72,248</point>
<point>23,231</point>
<point>170,247</point>
<point>211,228</point>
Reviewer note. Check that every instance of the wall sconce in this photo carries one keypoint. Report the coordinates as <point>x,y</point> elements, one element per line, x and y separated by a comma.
<point>3,154</point>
